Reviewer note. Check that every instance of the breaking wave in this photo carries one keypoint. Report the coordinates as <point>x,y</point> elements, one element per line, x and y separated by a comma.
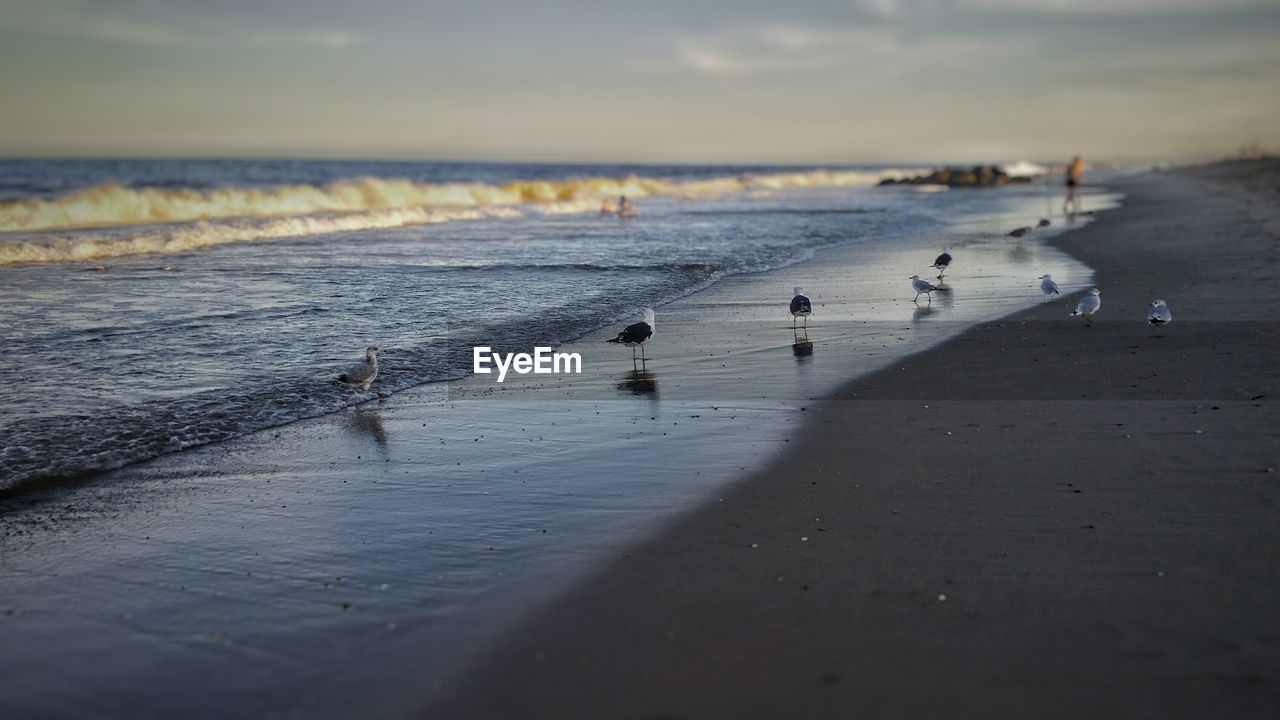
<point>108,243</point>
<point>105,205</point>
<point>89,224</point>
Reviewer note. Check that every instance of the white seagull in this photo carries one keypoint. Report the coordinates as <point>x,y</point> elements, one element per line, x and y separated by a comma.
<point>922,287</point>
<point>1047,285</point>
<point>1089,304</point>
<point>1159,314</point>
<point>364,373</point>
<point>800,308</point>
<point>637,334</point>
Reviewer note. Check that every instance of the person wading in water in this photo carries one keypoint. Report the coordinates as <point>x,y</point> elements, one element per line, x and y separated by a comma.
<point>1075,171</point>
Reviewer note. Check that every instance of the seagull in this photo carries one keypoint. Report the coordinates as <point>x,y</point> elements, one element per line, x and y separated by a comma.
<point>1159,314</point>
<point>1089,304</point>
<point>922,286</point>
<point>800,307</point>
<point>637,334</point>
<point>1019,232</point>
<point>942,263</point>
<point>364,373</point>
<point>1047,285</point>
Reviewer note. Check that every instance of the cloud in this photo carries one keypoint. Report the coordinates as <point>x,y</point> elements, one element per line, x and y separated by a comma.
<point>894,8</point>
<point>880,8</point>
<point>133,34</point>
<point>1115,7</point>
<point>776,49</point>
<point>318,38</point>
<point>156,36</point>
<point>118,25</point>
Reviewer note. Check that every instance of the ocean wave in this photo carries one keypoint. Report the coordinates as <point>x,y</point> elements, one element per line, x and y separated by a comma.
<point>110,205</point>
<point>68,446</point>
<point>1024,168</point>
<point>116,242</point>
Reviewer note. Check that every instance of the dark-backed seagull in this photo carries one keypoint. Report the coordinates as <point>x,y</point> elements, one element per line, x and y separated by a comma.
<point>1089,304</point>
<point>1047,285</point>
<point>942,263</point>
<point>922,287</point>
<point>1019,232</point>
<point>637,334</point>
<point>364,373</point>
<point>1159,314</point>
<point>800,308</point>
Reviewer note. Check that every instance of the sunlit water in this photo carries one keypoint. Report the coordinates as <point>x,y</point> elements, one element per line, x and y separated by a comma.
<point>121,358</point>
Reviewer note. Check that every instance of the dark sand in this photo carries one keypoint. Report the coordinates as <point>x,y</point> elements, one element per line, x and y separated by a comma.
<point>1035,519</point>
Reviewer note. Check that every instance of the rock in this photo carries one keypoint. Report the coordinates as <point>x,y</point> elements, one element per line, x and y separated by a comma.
<point>977,176</point>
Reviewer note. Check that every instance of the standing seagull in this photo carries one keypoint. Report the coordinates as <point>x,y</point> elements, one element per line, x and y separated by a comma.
<point>1047,285</point>
<point>800,307</point>
<point>364,373</point>
<point>922,286</point>
<point>637,334</point>
<point>942,263</point>
<point>1159,314</point>
<point>1089,304</point>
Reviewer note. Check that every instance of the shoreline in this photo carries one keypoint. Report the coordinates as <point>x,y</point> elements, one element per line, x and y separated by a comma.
<point>460,378</point>
<point>368,546</point>
<point>1028,531</point>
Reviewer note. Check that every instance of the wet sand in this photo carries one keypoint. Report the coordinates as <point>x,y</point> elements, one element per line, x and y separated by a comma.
<point>1037,518</point>
<point>343,566</point>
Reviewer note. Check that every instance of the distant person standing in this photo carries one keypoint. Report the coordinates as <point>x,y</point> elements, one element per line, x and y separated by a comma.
<point>1075,171</point>
<point>626,208</point>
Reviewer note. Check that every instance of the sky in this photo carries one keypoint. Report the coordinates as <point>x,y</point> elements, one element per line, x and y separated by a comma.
<point>765,81</point>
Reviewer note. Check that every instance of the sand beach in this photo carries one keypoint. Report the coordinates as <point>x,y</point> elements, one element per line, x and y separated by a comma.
<point>1003,514</point>
<point>1035,519</point>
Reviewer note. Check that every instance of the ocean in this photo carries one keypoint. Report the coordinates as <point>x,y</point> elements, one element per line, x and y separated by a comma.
<point>148,306</point>
<point>378,540</point>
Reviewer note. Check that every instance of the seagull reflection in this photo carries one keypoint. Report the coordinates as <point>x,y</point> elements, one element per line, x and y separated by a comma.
<point>945,298</point>
<point>369,421</point>
<point>640,382</point>
<point>1020,253</point>
<point>921,312</point>
<point>802,347</point>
